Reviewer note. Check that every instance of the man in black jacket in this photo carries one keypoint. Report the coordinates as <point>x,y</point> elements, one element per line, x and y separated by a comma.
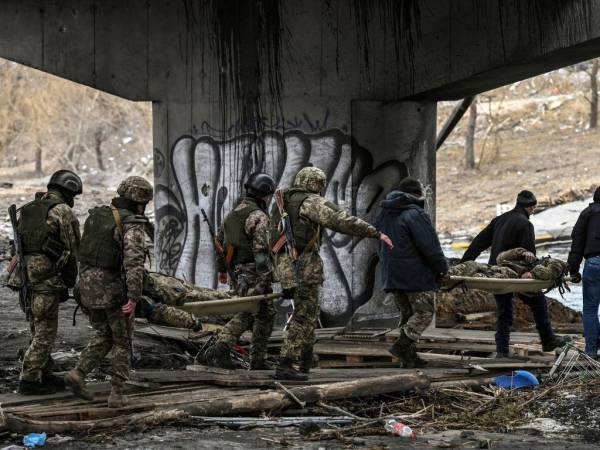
<point>505,232</point>
<point>413,268</point>
<point>586,244</point>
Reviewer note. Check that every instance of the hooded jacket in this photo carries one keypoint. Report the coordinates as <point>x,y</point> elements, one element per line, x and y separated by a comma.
<point>417,259</point>
<point>505,232</point>
<point>586,235</point>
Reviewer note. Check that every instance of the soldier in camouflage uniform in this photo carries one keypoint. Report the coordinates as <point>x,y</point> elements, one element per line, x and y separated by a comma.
<point>162,294</point>
<point>310,214</point>
<point>521,262</point>
<point>245,236</point>
<point>50,234</point>
<point>112,256</point>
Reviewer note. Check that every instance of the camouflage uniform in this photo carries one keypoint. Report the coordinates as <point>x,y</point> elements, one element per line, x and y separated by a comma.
<point>307,276</point>
<point>49,282</point>
<point>540,269</point>
<point>162,294</point>
<point>106,287</point>
<point>103,295</point>
<point>249,276</point>
<point>416,309</point>
<point>475,269</point>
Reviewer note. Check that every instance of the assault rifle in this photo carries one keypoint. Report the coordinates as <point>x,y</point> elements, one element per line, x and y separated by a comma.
<point>285,228</point>
<point>24,294</point>
<point>220,251</point>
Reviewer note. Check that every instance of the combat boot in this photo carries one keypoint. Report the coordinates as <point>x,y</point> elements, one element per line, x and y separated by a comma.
<point>556,341</point>
<point>219,355</point>
<point>76,382</point>
<point>117,399</point>
<point>53,380</point>
<point>307,361</point>
<point>35,388</point>
<point>285,371</point>
<point>258,364</point>
<point>405,350</point>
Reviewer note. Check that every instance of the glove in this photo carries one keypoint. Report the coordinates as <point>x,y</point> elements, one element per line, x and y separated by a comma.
<point>222,277</point>
<point>575,277</point>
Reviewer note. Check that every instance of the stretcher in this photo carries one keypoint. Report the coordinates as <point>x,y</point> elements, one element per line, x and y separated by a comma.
<point>499,285</point>
<point>228,306</point>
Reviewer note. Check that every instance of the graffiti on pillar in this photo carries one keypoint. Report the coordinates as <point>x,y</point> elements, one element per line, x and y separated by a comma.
<point>209,174</point>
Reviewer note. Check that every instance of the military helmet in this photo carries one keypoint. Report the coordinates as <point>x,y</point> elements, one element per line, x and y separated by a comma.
<point>67,180</point>
<point>260,183</point>
<point>312,179</point>
<point>136,189</point>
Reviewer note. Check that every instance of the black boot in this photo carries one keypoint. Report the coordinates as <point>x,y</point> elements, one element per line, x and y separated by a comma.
<point>219,355</point>
<point>555,341</point>
<point>285,371</point>
<point>35,388</point>
<point>307,360</point>
<point>53,380</point>
<point>405,349</point>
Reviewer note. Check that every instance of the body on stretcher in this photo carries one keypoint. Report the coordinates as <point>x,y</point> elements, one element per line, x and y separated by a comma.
<point>499,285</point>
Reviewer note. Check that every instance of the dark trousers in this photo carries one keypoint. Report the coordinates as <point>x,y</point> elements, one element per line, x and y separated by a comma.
<point>504,318</point>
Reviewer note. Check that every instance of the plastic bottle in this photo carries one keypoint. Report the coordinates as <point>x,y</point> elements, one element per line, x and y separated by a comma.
<point>399,429</point>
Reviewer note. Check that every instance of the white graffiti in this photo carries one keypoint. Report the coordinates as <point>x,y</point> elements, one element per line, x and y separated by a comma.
<point>210,174</point>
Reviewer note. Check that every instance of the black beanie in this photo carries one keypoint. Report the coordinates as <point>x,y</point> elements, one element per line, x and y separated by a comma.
<point>526,199</point>
<point>411,186</point>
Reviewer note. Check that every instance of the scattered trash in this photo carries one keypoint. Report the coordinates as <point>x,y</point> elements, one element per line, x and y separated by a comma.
<point>519,379</point>
<point>399,429</point>
<point>33,440</point>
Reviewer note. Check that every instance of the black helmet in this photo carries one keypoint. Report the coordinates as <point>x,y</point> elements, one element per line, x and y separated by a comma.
<point>260,183</point>
<point>67,180</point>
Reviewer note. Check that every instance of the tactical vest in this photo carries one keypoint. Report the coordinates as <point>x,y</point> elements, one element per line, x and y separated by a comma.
<point>33,227</point>
<point>98,246</point>
<point>304,230</point>
<point>235,233</point>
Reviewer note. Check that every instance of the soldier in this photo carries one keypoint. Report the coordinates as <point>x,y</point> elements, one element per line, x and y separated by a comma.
<point>245,237</point>
<point>50,234</point>
<point>112,256</point>
<point>309,214</point>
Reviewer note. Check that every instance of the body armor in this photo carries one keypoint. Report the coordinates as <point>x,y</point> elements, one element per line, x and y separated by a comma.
<point>33,226</point>
<point>98,246</point>
<point>235,235</point>
<point>304,230</point>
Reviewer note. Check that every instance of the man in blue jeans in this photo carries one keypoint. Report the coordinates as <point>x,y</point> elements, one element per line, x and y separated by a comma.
<point>506,232</point>
<point>586,244</point>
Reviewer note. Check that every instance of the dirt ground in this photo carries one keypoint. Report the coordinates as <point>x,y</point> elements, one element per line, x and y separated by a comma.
<point>545,166</point>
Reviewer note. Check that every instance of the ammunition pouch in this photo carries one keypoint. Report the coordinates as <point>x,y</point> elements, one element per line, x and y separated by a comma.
<point>53,248</point>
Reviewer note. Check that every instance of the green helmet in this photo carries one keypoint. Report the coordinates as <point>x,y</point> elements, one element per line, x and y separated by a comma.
<point>136,189</point>
<point>311,179</point>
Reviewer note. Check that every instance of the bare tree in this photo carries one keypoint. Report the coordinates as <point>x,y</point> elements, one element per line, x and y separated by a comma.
<point>594,94</point>
<point>470,137</point>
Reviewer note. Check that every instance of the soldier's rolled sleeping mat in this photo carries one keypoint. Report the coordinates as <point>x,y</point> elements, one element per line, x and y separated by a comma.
<point>228,306</point>
<point>499,285</point>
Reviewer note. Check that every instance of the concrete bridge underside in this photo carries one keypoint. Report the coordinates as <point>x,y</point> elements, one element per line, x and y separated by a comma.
<point>274,85</point>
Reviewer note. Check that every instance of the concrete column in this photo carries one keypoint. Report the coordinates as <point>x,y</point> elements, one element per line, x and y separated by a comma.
<point>365,148</point>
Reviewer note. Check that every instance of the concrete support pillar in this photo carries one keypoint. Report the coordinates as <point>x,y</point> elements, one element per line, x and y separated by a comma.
<point>365,148</point>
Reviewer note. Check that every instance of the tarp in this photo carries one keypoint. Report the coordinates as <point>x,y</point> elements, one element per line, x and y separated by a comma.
<point>498,285</point>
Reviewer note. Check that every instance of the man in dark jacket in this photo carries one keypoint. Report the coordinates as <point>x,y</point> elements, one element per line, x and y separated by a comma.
<point>413,268</point>
<point>586,244</point>
<point>506,232</point>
